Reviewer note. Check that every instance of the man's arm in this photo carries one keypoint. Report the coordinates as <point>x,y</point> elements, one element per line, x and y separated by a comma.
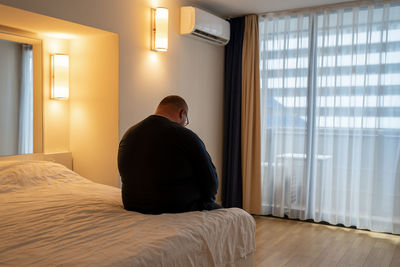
<point>204,169</point>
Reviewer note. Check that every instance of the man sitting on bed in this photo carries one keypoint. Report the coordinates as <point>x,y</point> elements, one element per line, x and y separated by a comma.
<point>164,166</point>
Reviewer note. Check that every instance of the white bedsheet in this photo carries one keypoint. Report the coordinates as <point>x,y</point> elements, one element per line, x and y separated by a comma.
<point>51,216</point>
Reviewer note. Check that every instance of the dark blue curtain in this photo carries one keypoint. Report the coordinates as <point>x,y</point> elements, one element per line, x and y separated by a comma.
<point>232,162</point>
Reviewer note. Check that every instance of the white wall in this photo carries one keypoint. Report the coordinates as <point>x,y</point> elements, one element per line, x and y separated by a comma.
<point>10,69</point>
<point>191,68</point>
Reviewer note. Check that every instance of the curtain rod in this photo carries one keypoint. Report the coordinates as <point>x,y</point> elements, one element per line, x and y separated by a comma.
<point>312,9</point>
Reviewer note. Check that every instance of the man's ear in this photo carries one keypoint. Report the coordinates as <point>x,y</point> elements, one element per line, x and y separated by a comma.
<point>181,112</point>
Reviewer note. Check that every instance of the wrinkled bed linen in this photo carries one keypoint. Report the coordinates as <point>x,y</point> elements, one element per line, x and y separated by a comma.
<point>52,216</point>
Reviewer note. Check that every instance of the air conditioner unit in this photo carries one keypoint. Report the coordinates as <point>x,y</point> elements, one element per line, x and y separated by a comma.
<point>203,25</point>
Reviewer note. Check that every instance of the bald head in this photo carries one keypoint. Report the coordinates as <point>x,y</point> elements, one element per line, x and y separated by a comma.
<point>174,108</point>
<point>174,100</point>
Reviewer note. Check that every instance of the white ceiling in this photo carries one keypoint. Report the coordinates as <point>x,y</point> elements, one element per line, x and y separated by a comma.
<point>236,8</point>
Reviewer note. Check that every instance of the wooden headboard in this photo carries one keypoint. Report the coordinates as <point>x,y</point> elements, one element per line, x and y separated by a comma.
<point>64,158</point>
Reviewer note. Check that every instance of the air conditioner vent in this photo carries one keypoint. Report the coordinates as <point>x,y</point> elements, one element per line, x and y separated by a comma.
<point>209,37</point>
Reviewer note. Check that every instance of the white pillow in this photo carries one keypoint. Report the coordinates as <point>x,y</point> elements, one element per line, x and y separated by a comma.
<point>16,175</point>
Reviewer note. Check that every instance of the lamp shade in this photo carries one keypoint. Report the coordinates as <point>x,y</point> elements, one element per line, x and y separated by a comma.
<point>159,29</point>
<point>59,76</point>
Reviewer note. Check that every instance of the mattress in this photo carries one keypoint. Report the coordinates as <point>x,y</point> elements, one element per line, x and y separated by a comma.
<point>52,216</point>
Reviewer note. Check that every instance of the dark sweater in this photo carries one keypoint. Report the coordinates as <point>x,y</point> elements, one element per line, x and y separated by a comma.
<point>165,167</point>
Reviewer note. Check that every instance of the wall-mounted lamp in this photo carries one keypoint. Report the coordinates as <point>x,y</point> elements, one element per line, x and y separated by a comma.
<point>59,77</point>
<point>159,26</point>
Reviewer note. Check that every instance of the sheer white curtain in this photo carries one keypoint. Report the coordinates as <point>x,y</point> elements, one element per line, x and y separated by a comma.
<point>25,132</point>
<point>330,90</point>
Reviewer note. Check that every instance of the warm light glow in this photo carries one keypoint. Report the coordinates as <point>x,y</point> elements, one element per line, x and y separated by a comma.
<point>153,58</point>
<point>58,35</point>
<point>59,76</point>
<point>159,40</point>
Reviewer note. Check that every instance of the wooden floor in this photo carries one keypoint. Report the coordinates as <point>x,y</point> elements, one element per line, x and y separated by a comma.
<point>282,242</point>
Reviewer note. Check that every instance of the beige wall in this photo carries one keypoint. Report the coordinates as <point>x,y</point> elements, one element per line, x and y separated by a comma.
<point>191,68</point>
<point>94,107</point>
<point>10,69</point>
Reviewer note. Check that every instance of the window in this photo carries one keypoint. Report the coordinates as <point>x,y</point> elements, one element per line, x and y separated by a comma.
<point>330,103</point>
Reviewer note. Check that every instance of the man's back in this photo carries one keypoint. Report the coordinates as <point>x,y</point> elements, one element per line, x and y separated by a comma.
<point>164,167</point>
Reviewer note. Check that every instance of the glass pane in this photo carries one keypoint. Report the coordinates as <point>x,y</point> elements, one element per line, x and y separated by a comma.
<point>357,114</point>
<point>284,52</point>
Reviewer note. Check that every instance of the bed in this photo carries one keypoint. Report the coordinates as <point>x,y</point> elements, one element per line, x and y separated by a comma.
<point>52,216</point>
